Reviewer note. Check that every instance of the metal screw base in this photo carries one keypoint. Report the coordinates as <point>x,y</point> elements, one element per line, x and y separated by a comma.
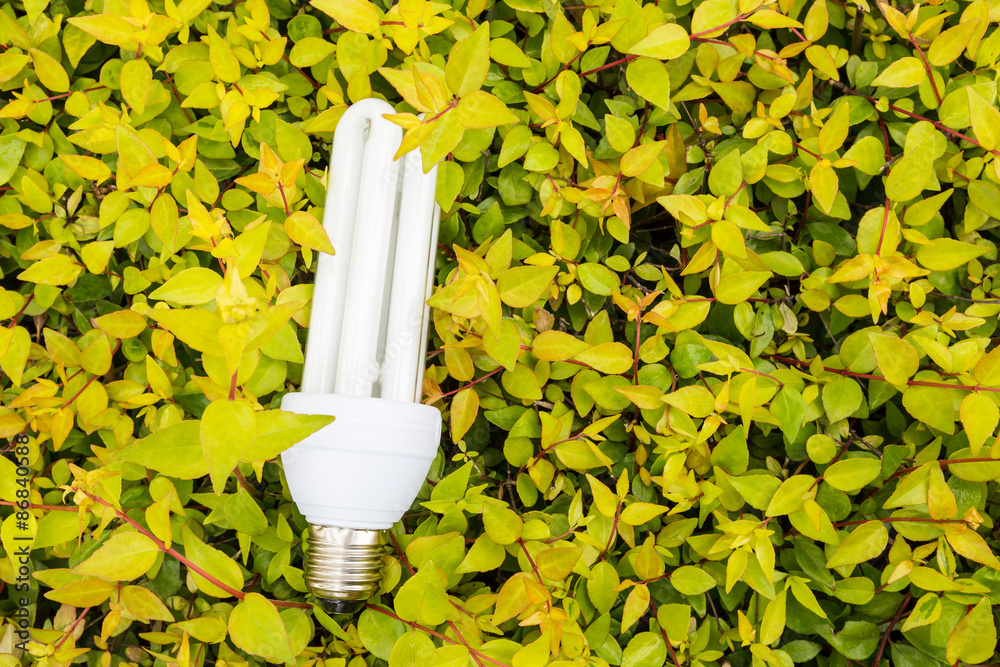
<point>344,566</point>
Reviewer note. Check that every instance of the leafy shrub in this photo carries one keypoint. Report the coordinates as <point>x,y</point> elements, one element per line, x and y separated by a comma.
<point>713,330</point>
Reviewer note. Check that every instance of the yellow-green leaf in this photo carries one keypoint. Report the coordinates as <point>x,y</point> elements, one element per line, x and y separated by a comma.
<point>125,556</point>
<point>866,542</point>
<point>136,81</point>
<point>902,73</point>
<point>896,358</point>
<point>256,627</point>
<point>50,71</point>
<point>464,408</point>
<point>665,42</point>
<point>945,254</point>
<point>190,287</point>
<point>740,286</point>
<point>980,416</point>
<point>469,62</point>
<point>478,109</point>
<point>224,63</point>
<point>212,562</point>
<point>227,429</point>
<point>522,286</point>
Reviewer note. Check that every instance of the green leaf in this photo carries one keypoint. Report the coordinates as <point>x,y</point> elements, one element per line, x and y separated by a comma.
<point>409,649</point>
<point>757,490</point>
<point>423,598</point>
<point>11,150</point>
<point>985,119</point>
<point>931,405</point>
<point>791,494</point>
<point>602,586</point>
<point>842,396</point>
<point>598,278</point>
<point>789,407</point>
<point>645,648</point>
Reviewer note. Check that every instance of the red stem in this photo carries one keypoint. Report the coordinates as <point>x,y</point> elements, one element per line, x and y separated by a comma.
<point>183,559</point>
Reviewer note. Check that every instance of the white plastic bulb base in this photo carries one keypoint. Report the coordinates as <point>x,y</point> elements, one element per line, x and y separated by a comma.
<point>352,480</point>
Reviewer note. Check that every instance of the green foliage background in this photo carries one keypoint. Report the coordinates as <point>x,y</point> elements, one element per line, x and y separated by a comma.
<point>713,332</point>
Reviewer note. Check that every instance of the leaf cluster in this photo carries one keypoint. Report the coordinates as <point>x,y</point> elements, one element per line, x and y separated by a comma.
<point>713,330</point>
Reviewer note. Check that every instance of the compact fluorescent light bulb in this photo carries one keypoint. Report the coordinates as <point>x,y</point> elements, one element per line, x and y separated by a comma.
<point>364,359</point>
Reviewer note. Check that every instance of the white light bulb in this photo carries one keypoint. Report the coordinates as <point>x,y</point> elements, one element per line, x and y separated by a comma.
<point>365,358</point>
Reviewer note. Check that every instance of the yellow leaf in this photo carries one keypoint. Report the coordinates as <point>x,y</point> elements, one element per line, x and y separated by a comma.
<point>55,270</point>
<point>834,131</point>
<point>970,544</point>
<point>145,605</point>
<point>306,230</point>
<point>356,15</point>
<point>153,175</point>
<point>133,152</point>
<point>87,167</point>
